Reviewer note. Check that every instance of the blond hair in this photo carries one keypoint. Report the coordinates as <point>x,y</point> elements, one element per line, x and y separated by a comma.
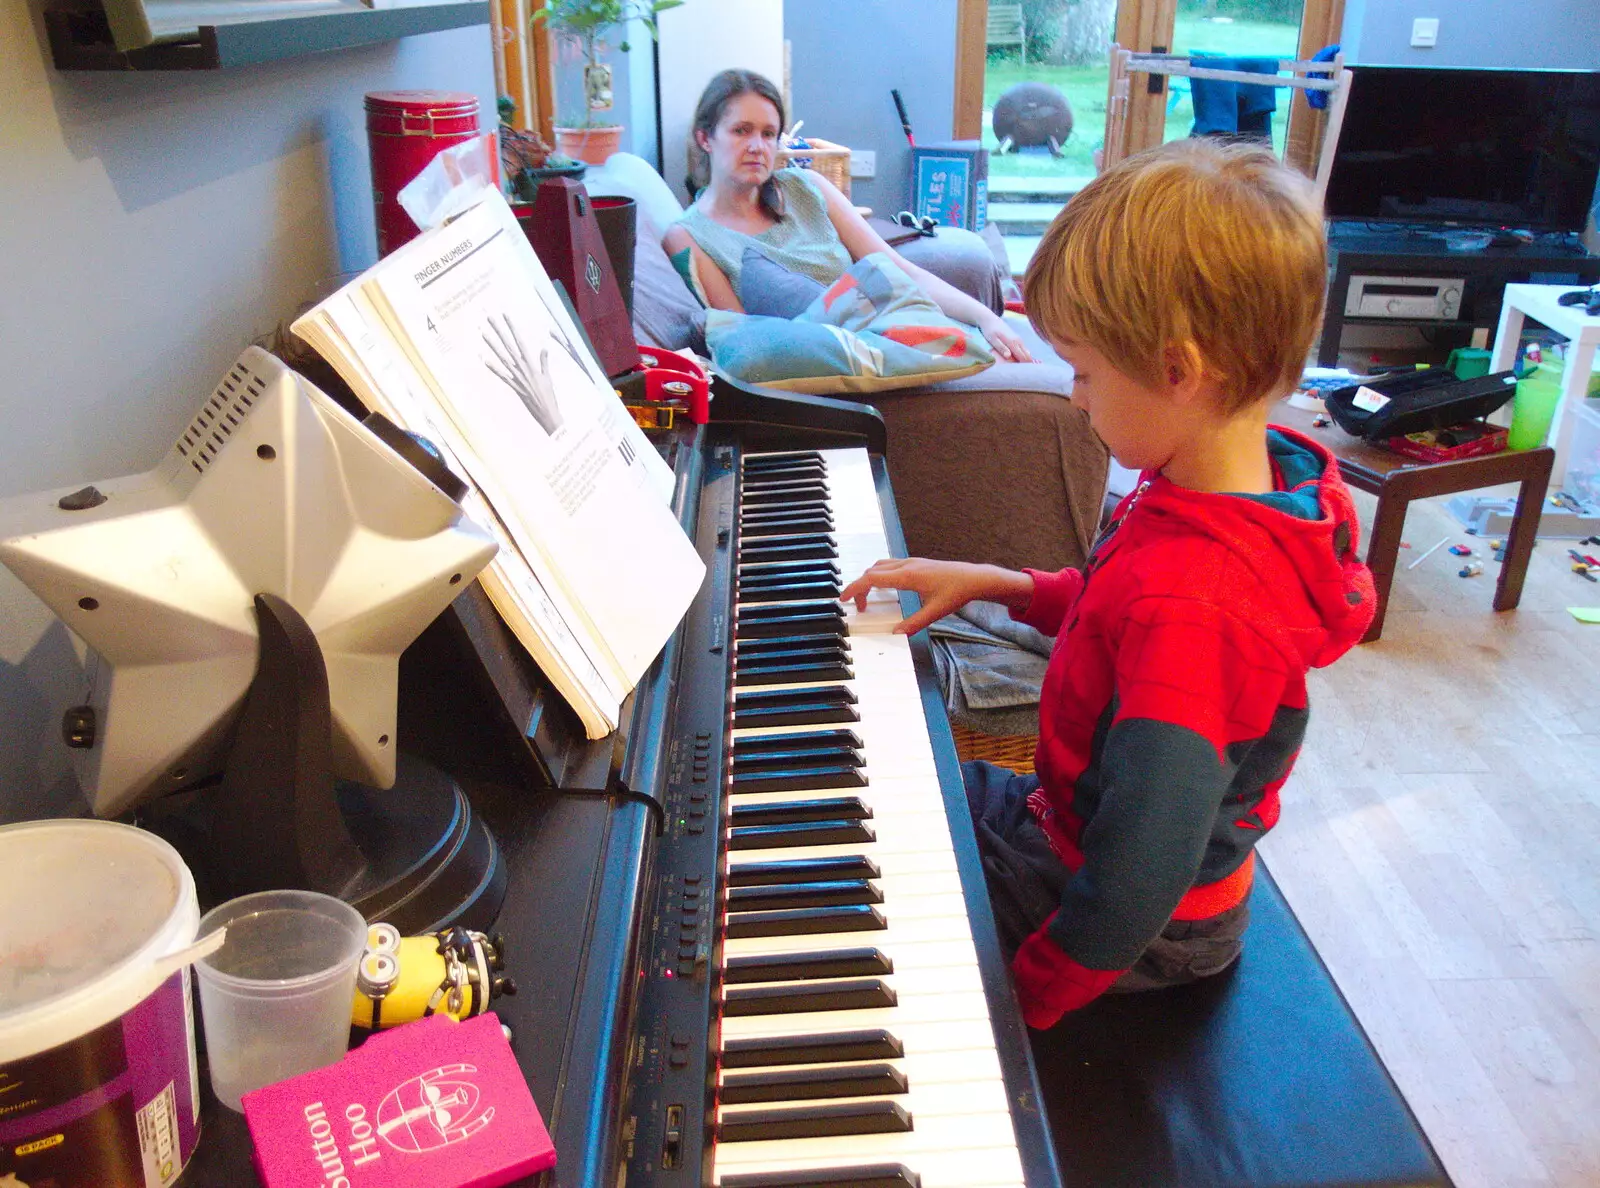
<point>1203,245</point>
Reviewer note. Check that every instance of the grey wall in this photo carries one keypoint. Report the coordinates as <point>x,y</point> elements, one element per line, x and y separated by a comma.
<point>1481,33</point>
<point>152,226</point>
<point>846,55</point>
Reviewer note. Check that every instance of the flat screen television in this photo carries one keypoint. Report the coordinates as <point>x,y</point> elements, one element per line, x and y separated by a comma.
<point>1484,148</point>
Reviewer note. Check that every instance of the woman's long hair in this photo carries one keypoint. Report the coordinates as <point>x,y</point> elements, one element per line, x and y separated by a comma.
<point>719,92</point>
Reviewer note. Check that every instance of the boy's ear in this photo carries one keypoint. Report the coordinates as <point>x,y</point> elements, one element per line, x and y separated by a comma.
<point>1183,371</point>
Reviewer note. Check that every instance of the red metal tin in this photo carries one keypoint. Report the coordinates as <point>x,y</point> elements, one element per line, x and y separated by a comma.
<point>405,130</point>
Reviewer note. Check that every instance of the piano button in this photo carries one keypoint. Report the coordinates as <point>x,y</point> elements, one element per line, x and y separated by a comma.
<point>797,1084</point>
<point>876,1175</point>
<point>816,1047</point>
<point>793,674</point>
<point>755,744</point>
<point>814,1121</point>
<point>840,775</point>
<point>801,921</point>
<point>816,870</point>
<point>787,967</point>
<point>793,833</point>
<point>854,994</point>
<point>826,808</point>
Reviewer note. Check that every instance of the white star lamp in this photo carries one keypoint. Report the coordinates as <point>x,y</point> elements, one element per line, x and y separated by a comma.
<point>272,489</point>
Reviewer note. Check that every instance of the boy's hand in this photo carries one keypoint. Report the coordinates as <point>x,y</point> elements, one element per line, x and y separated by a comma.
<point>944,587</point>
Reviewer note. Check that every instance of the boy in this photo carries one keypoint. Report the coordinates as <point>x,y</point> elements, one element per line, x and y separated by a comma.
<point>1184,286</point>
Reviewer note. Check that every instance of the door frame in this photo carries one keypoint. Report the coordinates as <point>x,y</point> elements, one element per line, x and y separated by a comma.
<point>972,51</point>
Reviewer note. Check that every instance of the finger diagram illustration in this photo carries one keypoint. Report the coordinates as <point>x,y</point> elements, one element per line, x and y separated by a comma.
<point>511,365</point>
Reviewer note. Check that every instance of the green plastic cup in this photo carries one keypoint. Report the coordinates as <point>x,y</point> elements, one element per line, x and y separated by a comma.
<point>1468,362</point>
<point>1534,406</point>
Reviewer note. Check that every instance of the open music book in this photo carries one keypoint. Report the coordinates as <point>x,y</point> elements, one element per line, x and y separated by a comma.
<point>459,336</point>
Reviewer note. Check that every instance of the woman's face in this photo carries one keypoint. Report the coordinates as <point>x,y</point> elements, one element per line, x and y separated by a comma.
<point>744,144</point>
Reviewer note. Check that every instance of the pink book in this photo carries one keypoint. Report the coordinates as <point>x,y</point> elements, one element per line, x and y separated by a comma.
<point>433,1103</point>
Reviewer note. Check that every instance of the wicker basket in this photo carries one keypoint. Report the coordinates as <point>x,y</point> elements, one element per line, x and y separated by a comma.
<point>829,159</point>
<point>1013,751</point>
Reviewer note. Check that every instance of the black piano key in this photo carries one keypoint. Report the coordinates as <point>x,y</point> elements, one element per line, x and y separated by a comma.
<point>757,529</point>
<point>764,569</point>
<point>802,870</point>
<point>815,1121</point>
<point>836,652</point>
<point>796,613</point>
<point>801,617</point>
<point>790,967</point>
<point>840,775</point>
<point>785,644</point>
<point>816,712</point>
<point>780,474</point>
<point>815,551</point>
<point>752,744</point>
<point>793,592</point>
<point>786,896</point>
<point>768,495</point>
<point>807,921</point>
<point>810,571</point>
<point>833,1047</point>
<point>770,458</point>
<point>866,1175</point>
<point>799,1084</point>
<point>834,808</point>
<point>800,833</point>
<point>793,673</point>
<point>850,994</point>
<point>796,507</point>
<point>817,755</point>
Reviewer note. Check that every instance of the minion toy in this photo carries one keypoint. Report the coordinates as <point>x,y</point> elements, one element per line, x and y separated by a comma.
<point>454,972</point>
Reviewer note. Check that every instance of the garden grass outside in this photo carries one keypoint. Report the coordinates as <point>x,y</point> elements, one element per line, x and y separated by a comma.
<point>1085,89</point>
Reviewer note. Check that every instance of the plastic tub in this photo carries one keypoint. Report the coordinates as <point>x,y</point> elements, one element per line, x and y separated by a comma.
<point>276,996</point>
<point>97,1061</point>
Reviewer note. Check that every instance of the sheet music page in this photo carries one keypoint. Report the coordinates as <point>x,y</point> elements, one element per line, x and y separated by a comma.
<point>350,333</point>
<point>540,430</point>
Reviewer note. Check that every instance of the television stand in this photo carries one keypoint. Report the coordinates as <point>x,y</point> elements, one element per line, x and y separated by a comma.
<point>1401,252</point>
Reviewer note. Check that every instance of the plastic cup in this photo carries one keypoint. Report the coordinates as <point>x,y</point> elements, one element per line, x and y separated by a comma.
<point>275,998</point>
<point>1534,407</point>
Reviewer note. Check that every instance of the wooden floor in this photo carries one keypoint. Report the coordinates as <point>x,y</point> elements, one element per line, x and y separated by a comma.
<point>1440,842</point>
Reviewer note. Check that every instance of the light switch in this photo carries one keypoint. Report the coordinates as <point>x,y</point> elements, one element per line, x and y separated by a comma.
<point>863,163</point>
<point>1425,32</point>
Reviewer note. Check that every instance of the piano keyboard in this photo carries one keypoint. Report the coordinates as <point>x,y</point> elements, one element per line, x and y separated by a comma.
<point>856,1048</point>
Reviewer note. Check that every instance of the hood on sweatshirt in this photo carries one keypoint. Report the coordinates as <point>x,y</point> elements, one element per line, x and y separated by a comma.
<point>1298,546</point>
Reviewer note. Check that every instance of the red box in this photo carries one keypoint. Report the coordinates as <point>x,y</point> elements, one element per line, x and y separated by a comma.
<point>1450,445</point>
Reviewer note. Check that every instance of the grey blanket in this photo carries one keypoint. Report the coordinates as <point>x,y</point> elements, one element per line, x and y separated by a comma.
<point>991,668</point>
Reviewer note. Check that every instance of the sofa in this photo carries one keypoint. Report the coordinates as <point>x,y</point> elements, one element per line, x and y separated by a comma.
<point>996,467</point>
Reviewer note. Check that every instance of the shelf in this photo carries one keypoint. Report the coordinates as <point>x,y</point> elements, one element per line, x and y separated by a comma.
<point>80,39</point>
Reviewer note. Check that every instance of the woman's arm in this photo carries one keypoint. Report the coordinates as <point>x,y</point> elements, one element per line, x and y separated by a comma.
<point>860,240</point>
<point>714,282</point>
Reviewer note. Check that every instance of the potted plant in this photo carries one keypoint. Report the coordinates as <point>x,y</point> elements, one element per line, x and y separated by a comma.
<point>595,137</point>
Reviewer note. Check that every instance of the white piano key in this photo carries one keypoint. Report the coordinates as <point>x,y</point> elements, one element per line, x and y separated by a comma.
<point>988,1137</point>
<point>922,1067</point>
<point>933,1008</point>
<point>925,1100</point>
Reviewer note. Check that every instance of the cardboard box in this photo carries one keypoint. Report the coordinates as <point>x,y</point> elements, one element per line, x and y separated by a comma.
<point>950,183</point>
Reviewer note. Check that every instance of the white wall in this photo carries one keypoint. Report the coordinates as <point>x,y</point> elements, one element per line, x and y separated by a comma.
<point>1548,34</point>
<point>151,225</point>
<point>699,40</point>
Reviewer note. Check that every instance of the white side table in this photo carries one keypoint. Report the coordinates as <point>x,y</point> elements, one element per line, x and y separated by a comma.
<point>1539,303</point>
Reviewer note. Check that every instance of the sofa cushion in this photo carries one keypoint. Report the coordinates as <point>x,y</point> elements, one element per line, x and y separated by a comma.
<point>872,330</point>
<point>768,289</point>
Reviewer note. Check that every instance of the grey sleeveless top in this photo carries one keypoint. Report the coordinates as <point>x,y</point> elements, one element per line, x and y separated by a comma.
<point>803,241</point>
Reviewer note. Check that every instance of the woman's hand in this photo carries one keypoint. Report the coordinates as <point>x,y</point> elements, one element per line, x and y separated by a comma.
<point>944,586</point>
<point>1005,341</point>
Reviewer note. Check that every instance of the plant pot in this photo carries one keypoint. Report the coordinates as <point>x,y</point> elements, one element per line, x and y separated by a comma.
<point>593,145</point>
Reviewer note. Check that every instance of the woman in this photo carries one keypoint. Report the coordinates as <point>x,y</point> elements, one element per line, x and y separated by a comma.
<point>795,217</point>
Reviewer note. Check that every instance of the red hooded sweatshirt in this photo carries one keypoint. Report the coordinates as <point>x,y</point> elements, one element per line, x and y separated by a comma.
<point>1175,703</point>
